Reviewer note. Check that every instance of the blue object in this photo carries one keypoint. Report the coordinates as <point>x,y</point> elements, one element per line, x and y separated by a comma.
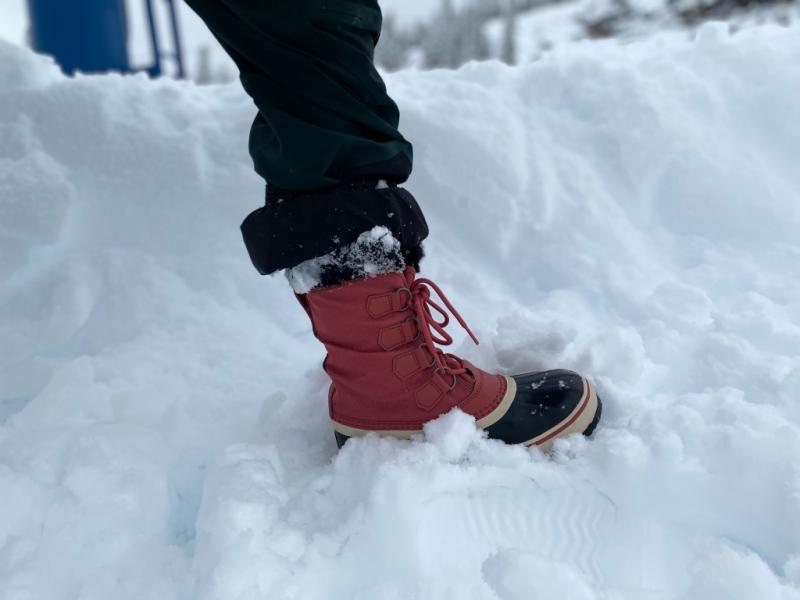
<point>91,36</point>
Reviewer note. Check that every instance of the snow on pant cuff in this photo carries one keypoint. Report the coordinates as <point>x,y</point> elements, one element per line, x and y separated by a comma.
<point>293,227</point>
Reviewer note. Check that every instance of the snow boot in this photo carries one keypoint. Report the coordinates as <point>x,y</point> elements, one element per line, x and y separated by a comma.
<point>389,375</point>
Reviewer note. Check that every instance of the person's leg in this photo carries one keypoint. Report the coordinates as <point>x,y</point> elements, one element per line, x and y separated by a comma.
<point>326,130</point>
<point>326,135</point>
<point>324,115</point>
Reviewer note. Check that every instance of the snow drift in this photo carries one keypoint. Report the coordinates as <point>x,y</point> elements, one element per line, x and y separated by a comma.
<point>629,211</point>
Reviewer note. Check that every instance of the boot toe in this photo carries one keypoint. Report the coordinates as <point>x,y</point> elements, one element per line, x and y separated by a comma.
<point>548,405</point>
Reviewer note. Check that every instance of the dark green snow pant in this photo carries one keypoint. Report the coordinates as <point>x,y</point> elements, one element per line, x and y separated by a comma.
<point>324,114</point>
<point>326,131</point>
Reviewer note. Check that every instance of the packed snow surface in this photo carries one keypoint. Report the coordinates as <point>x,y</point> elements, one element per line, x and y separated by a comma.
<point>628,211</point>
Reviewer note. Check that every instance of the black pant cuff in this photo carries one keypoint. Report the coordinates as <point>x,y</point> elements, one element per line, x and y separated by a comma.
<point>295,226</point>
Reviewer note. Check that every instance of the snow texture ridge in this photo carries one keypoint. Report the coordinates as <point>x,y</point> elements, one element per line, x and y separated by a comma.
<point>628,211</point>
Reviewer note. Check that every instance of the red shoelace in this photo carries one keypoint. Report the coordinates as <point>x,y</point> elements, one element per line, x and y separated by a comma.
<point>433,330</point>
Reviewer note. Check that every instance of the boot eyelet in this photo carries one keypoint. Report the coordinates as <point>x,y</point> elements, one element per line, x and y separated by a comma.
<point>455,379</point>
<point>433,359</point>
<point>410,298</point>
<point>419,333</point>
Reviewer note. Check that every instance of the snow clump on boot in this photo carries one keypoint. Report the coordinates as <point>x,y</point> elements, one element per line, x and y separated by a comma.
<point>375,252</point>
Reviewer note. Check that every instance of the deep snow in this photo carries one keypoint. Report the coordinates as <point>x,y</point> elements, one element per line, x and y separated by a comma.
<point>629,211</point>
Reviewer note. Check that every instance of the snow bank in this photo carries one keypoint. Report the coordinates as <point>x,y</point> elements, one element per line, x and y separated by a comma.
<point>626,210</point>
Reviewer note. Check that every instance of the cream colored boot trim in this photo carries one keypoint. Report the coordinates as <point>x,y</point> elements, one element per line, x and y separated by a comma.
<point>578,421</point>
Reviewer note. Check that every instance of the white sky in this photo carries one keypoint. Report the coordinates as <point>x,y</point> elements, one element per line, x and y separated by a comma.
<point>13,20</point>
<point>409,11</point>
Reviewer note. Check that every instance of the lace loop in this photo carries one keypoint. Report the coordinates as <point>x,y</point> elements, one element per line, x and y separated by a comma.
<point>433,329</point>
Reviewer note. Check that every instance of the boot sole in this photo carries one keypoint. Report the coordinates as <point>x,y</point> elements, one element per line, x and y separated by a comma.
<point>584,419</point>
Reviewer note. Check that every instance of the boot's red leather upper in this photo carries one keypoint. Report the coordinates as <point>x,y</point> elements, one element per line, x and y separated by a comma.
<point>388,374</point>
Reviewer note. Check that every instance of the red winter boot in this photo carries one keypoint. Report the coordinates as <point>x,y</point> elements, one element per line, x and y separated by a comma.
<point>389,376</point>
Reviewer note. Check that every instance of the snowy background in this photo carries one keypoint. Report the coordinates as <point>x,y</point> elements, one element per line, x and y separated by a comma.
<point>627,210</point>
<point>14,28</point>
<point>449,33</point>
